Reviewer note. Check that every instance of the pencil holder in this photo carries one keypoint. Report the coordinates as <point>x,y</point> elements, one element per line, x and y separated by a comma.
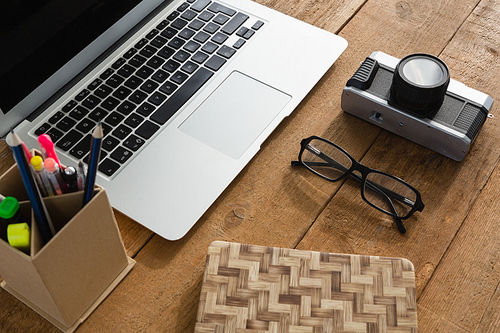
<point>67,278</point>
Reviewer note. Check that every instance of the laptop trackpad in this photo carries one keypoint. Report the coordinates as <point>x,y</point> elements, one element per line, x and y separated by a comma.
<point>235,114</point>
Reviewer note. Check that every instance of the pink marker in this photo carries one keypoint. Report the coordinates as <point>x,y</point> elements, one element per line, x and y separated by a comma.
<point>27,152</point>
<point>47,148</point>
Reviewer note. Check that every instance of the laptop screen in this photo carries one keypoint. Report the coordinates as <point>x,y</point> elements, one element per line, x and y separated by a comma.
<point>37,37</point>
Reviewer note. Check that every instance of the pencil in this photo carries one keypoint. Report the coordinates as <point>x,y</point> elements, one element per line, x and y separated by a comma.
<point>95,152</point>
<point>42,217</point>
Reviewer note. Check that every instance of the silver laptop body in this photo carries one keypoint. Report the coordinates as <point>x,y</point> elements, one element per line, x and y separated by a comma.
<point>172,179</point>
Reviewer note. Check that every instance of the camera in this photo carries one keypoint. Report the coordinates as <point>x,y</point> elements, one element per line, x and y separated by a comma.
<point>415,98</point>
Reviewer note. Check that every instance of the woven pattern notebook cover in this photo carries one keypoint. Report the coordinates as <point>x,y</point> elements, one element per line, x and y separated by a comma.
<point>258,289</point>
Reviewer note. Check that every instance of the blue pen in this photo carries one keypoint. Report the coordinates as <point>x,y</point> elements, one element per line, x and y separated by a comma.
<point>95,152</point>
<point>42,217</point>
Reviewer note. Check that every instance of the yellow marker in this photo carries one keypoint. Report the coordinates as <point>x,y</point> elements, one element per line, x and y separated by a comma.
<point>18,235</point>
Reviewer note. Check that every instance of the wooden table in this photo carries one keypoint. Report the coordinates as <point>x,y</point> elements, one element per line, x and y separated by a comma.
<point>454,243</point>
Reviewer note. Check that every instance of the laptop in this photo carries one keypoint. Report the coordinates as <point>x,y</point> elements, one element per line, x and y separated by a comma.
<point>186,91</point>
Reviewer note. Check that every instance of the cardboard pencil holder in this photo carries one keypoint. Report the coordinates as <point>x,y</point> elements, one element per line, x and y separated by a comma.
<point>67,278</point>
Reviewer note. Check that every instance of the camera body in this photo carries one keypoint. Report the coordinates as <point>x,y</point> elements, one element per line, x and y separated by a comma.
<point>450,129</point>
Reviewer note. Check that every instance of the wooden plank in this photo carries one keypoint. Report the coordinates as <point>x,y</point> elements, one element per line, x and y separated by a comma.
<point>467,278</point>
<point>272,204</point>
<point>349,224</point>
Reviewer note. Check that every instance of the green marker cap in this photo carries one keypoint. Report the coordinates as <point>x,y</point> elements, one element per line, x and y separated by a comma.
<point>8,207</point>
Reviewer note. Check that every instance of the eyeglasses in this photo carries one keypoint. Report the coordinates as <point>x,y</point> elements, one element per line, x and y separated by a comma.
<point>380,190</point>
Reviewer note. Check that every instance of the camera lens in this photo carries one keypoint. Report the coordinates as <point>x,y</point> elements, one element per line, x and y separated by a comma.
<point>419,84</point>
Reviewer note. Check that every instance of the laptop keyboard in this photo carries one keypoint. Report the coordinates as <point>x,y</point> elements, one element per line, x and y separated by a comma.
<point>150,82</point>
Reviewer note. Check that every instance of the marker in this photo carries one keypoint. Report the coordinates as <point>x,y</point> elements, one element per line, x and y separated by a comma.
<point>9,213</point>
<point>81,176</point>
<point>42,217</point>
<point>41,176</point>
<point>19,236</point>
<point>47,148</point>
<point>95,152</point>
<point>54,175</point>
<point>70,179</point>
<point>27,152</point>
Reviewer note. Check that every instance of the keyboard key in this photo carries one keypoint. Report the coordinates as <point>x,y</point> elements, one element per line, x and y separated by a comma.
<point>56,117</point>
<point>226,51</point>
<point>166,52</point>
<point>183,7</point>
<point>219,38</point>
<point>181,56</point>
<point>108,167</point>
<point>160,76</point>
<point>257,25</point>
<point>199,57</point>
<point>121,155</point>
<point>221,19</point>
<point>82,148</point>
<point>148,51</point>
<point>94,84</point>
<point>168,88</point>
<point>178,77</point>
<point>133,142</point>
<point>103,91</point>
<point>114,81</point>
<point>152,34</point>
<point>191,46</point>
<point>65,124</point>
<point>241,31</point>
<point>133,82</point>
<point>200,5</point>
<point>201,37</point>
<point>211,28</point>
<point>206,16</point>
<point>70,105</point>
<point>85,125</point>
<point>55,134</point>
<point>126,70</point>
<point>235,23</point>
<point>122,131</point>
<point>126,107</point>
<point>179,23</point>
<point>98,114</point>
<point>118,63</point>
<point>42,129</point>
<point>181,96</point>
<point>196,25</point>
<point>157,98</point>
<point>149,86</point>
<point>82,94</point>
<point>122,93</point>
<point>176,43</point>
<point>144,72</point>
<point>186,33</point>
<point>137,61</point>
<point>143,42</point>
<point>79,112</point>
<point>109,143</point>
<point>218,8</point>
<point>215,63</point>
<point>249,34</point>
<point>188,15</point>
<point>171,66</point>
<point>173,15</point>
<point>107,73</point>
<point>210,47</point>
<point>110,103</point>
<point>134,120</point>
<point>155,62</point>
<point>138,96</point>
<point>69,140</point>
<point>239,43</point>
<point>162,25</point>
<point>145,109</point>
<point>147,129</point>
<point>130,53</point>
<point>91,102</point>
<point>114,118</point>
<point>169,32</point>
<point>158,41</point>
<point>189,67</point>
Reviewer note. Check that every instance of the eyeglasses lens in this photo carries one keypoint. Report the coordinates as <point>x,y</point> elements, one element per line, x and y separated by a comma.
<point>389,194</point>
<point>325,159</point>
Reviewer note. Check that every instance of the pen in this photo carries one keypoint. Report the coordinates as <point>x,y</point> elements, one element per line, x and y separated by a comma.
<point>95,152</point>
<point>54,175</point>
<point>41,176</point>
<point>47,148</point>
<point>80,176</point>
<point>42,217</point>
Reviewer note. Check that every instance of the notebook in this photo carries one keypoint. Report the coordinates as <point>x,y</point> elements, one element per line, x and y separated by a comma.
<point>250,288</point>
<point>186,92</point>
